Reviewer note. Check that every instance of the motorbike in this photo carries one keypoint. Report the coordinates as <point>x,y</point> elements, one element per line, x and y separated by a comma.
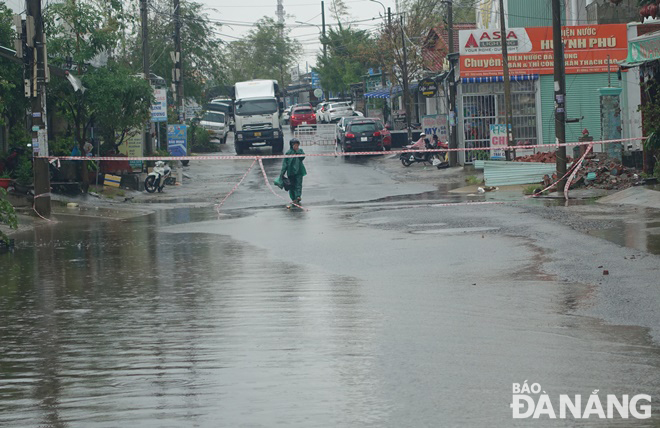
<point>158,178</point>
<point>439,159</point>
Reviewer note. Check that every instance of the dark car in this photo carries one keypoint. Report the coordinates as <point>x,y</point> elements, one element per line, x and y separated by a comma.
<point>362,135</point>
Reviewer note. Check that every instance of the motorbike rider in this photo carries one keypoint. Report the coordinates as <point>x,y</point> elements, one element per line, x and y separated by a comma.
<point>421,143</point>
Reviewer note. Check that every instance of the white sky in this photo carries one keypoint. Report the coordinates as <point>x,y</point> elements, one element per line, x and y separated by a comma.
<point>309,11</point>
<point>239,17</point>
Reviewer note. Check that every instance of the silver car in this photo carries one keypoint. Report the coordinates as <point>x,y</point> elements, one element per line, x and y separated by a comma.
<point>335,111</point>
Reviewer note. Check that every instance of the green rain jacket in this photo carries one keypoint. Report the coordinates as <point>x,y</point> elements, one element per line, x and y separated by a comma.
<point>294,166</point>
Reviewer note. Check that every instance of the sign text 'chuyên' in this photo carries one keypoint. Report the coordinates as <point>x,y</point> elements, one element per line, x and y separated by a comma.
<point>586,50</point>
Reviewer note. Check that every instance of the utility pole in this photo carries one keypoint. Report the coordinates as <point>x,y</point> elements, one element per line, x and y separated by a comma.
<point>145,67</point>
<point>37,71</point>
<point>560,93</point>
<point>178,63</point>
<point>508,117</point>
<point>325,48</point>
<point>389,17</point>
<point>404,72</point>
<point>453,143</point>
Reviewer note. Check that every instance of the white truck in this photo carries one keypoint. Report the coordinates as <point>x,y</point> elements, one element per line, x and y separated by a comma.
<point>257,111</point>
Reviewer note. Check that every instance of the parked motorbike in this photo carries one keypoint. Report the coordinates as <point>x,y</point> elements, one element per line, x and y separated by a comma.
<point>439,159</point>
<point>158,178</point>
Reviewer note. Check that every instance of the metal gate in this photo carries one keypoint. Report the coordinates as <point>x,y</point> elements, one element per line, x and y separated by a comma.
<point>483,105</point>
<point>316,135</point>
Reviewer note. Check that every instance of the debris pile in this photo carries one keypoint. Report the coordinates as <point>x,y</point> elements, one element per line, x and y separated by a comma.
<point>602,173</point>
<point>544,157</point>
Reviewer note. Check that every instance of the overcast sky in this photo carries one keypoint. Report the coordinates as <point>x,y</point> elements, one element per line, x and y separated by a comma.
<point>238,17</point>
<point>241,14</point>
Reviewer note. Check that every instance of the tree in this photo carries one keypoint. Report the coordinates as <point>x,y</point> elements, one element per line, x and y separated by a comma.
<point>202,50</point>
<point>419,17</point>
<point>7,215</point>
<point>264,53</point>
<point>349,54</point>
<point>12,100</point>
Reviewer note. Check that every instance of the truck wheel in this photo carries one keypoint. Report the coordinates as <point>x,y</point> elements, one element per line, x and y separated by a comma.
<point>278,147</point>
<point>239,148</point>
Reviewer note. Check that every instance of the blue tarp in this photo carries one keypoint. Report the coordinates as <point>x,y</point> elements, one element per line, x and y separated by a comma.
<point>385,92</point>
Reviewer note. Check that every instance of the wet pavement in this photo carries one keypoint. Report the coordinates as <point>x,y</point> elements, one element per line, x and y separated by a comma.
<point>377,307</point>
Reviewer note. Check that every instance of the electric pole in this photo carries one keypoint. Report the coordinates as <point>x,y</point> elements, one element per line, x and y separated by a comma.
<point>325,48</point>
<point>508,117</point>
<point>145,68</point>
<point>404,73</point>
<point>36,69</point>
<point>389,17</point>
<point>178,63</point>
<point>453,143</point>
<point>560,93</point>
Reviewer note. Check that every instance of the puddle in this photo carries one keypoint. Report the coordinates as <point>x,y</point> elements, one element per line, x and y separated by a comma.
<point>455,230</point>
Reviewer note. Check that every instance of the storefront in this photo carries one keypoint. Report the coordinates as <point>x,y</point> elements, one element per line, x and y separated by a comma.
<point>588,51</point>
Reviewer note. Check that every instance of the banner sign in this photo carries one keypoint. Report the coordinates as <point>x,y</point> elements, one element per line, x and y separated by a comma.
<point>586,50</point>
<point>498,141</point>
<point>132,147</point>
<point>644,48</point>
<point>159,108</point>
<point>177,140</point>
<point>435,124</point>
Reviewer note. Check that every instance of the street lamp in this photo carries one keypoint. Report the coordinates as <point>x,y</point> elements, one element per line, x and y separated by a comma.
<point>384,10</point>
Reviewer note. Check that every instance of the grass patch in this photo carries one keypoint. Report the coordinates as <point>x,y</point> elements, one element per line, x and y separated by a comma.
<point>473,180</point>
<point>531,189</point>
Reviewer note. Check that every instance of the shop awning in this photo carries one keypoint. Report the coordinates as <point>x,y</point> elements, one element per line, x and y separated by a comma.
<point>642,49</point>
<point>385,92</point>
<point>493,79</point>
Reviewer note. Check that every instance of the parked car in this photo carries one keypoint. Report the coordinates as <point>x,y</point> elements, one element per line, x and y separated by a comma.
<point>335,111</point>
<point>362,135</point>
<point>385,133</point>
<point>286,115</point>
<point>302,116</point>
<point>215,123</point>
<point>341,126</point>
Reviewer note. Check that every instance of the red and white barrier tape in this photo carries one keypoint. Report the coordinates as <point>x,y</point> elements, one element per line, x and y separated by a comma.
<point>34,205</point>
<point>263,170</point>
<point>330,154</point>
<point>218,206</point>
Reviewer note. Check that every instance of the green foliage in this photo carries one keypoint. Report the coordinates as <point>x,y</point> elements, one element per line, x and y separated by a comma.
<point>532,189</point>
<point>473,180</point>
<point>201,141</point>
<point>202,48</point>
<point>266,52</point>
<point>23,172</point>
<point>349,54</point>
<point>7,215</point>
<point>12,101</point>
<point>118,102</point>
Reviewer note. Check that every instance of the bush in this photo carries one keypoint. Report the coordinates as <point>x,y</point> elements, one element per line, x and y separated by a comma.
<point>23,172</point>
<point>201,141</point>
<point>7,215</point>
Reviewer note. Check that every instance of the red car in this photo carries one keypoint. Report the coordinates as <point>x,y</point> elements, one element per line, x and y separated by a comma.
<point>302,116</point>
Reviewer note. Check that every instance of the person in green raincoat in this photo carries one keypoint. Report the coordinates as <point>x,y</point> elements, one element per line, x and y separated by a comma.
<point>294,170</point>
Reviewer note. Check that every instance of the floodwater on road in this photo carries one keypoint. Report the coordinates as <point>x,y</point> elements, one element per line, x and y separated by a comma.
<point>349,316</point>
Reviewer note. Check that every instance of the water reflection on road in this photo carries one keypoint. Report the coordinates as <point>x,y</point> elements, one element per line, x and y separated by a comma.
<point>352,317</point>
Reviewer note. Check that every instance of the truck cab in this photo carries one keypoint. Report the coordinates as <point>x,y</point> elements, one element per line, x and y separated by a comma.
<point>257,112</point>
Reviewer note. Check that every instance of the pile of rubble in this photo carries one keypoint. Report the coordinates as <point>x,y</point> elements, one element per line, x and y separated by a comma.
<point>599,172</point>
<point>544,157</point>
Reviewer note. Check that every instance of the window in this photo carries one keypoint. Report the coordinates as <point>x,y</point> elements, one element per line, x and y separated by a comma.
<point>303,111</point>
<point>214,117</point>
<point>246,107</point>
<point>363,127</point>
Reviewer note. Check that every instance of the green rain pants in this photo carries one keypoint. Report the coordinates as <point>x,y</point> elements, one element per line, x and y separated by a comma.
<point>295,191</point>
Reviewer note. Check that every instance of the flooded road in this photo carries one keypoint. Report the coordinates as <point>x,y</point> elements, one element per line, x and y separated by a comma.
<point>389,312</point>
